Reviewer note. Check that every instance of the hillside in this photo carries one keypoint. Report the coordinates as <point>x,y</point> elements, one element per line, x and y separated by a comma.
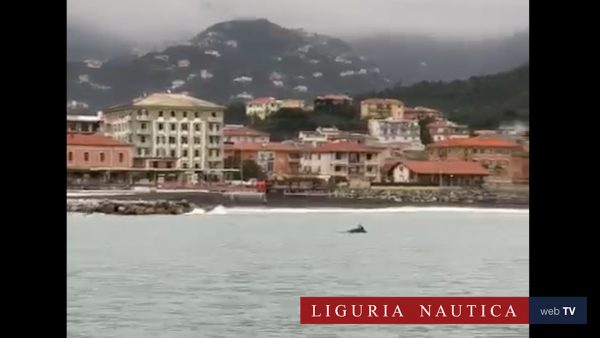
<point>414,58</point>
<point>480,102</point>
<point>228,61</point>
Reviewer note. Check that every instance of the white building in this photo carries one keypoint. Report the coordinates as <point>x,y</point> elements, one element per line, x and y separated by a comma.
<point>171,126</point>
<point>262,107</point>
<point>396,131</point>
<point>442,130</point>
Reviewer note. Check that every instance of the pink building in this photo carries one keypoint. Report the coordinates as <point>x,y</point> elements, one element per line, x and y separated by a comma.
<point>87,151</point>
<point>237,133</point>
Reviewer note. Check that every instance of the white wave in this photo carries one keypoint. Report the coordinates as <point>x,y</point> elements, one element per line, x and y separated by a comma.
<point>220,210</point>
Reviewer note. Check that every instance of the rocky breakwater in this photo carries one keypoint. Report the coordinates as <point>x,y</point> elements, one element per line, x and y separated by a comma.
<point>129,207</point>
<point>457,196</point>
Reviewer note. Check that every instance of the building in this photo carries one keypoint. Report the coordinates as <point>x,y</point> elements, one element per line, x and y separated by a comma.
<point>442,130</point>
<point>396,131</point>
<point>237,133</point>
<point>328,134</point>
<point>88,124</point>
<point>419,113</point>
<point>328,103</point>
<point>275,159</point>
<point>440,173</point>
<point>262,107</point>
<point>381,109</point>
<point>168,125</point>
<point>86,151</point>
<point>494,154</point>
<point>292,104</point>
<point>344,159</point>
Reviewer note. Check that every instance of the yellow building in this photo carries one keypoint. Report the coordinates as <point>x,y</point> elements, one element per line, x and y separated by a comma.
<point>381,109</point>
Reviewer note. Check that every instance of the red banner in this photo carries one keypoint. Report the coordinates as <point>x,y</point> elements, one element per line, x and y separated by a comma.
<point>414,310</point>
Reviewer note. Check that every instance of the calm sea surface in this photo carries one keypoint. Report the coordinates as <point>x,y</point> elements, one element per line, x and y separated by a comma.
<point>239,273</point>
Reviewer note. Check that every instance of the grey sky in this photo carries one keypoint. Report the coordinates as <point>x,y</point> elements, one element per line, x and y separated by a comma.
<point>155,20</point>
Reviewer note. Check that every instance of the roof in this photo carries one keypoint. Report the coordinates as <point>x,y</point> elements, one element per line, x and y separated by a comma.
<point>169,100</point>
<point>444,167</point>
<point>242,131</point>
<point>341,147</point>
<point>94,140</point>
<point>444,124</point>
<point>83,118</point>
<point>262,100</point>
<point>381,101</point>
<point>334,97</point>
<point>271,146</point>
<point>476,142</point>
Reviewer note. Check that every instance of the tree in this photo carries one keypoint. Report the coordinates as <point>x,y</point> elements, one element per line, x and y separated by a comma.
<point>235,113</point>
<point>424,131</point>
<point>251,169</point>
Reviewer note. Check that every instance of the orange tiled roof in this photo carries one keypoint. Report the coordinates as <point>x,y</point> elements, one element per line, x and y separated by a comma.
<point>445,167</point>
<point>93,140</point>
<point>475,142</point>
<point>262,100</point>
<point>242,131</point>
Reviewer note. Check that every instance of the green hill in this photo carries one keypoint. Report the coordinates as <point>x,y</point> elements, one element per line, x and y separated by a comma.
<point>480,102</point>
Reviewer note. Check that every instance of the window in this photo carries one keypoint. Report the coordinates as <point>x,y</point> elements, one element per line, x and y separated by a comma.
<point>139,112</point>
<point>171,139</point>
<point>338,168</point>
<point>160,126</point>
<point>172,114</point>
<point>196,153</point>
<point>154,164</point>
<point>184,126</point>
<point>185,153</point>
<point>121,156</point>
<point>196,127</point>
<point>196,140</point>
<point>143,139</point>
<point>168,165</point>
<point>172,153</point>
<point>184,114</point>
<point>143,125</point>
<point>217,153</point>
<point>101,157</point>
<point>213,114</point>
<point>196,114</point>
<point>184,139</point>
<point>70,156</point>
<point>139,151</point>
<point>369,157</point>
<point>86,156</point>
<point>173,126</point>
<point>160,114</point>
<point>184,165</point>
<point>157,139</point>
<point>338,156</point>
<point>196,165</point>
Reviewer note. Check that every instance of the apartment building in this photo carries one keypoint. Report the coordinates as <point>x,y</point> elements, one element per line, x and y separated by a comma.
<point>262,107</point>
<point>396,131</point>
<point>346,159</point>
<point>274,158</point>
<point>238,133</point>
<point>442,130</point>
<point>88,124</point>
<point>165,125</point>
<point>381,109</point>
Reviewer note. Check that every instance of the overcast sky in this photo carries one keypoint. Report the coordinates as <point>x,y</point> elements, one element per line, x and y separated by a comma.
<point>156,20</point>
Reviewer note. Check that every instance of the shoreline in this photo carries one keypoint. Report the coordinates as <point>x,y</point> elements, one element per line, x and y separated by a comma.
<point>207,200</point>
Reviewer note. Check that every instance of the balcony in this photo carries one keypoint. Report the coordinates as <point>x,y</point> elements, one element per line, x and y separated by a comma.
<point>142,118</point>
<point>215,131</point>
<point>215,145</point>
<point>143,132</point>
<point>214,119</point>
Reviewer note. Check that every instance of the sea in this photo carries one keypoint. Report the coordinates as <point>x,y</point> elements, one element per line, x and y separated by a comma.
<point>239,272</point>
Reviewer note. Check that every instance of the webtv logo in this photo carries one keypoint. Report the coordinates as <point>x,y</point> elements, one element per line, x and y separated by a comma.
<point>443,310</point>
